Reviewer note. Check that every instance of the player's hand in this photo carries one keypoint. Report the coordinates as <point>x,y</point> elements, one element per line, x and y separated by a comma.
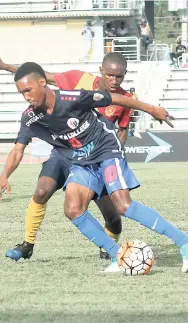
<point>2,65</point>
<point>160,114</point>
<point>4,186</point>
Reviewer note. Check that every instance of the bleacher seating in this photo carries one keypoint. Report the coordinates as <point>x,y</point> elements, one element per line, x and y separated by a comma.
<point>12,103</point>
<point>175,98</point>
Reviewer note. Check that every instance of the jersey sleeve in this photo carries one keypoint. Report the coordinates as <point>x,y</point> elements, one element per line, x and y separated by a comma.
<point>124,118</point>
<point>24,135</point>
<point>94,99</point>
<point>68,80</point>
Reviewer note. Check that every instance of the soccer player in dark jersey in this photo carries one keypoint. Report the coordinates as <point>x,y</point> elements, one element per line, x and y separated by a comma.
<point>113,70</point>
<point>68,119</point>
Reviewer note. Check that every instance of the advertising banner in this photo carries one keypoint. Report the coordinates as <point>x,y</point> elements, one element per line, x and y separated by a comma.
<point>144,147</point>
<point>157,147</point>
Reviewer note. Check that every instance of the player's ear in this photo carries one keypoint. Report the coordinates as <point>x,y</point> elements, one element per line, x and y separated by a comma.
<point>125,70</point>
<point>43,81</point>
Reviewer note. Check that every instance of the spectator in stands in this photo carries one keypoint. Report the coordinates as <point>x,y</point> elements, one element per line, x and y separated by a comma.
<point>122,30</point>
<point>179,50</point>
<point>64,4</point>
<point>88,35</point>
<point>55,2</point>
<point>145,33</point>
<point>109,32</point>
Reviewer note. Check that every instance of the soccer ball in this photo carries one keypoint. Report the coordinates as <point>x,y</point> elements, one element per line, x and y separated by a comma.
<point>135,258</point>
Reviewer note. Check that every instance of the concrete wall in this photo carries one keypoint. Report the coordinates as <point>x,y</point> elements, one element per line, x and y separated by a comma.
<point>47,41</point>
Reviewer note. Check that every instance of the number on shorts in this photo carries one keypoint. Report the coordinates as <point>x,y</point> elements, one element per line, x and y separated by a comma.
<point>110,174</point>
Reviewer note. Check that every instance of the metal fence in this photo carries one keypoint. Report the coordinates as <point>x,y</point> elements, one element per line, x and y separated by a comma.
<point>130,47</point>
<point>127,46</point>
<point>157,51</point>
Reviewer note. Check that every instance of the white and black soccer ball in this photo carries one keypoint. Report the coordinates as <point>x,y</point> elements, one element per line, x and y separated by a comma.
<point>135,258</point>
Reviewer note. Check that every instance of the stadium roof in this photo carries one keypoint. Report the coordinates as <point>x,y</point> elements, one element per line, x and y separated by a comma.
<point>67,14</point>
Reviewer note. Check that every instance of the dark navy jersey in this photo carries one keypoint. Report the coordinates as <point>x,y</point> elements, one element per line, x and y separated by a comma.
<point>74,128</point>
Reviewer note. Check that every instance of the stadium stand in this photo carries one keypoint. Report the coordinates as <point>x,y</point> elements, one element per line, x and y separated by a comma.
<point>61,5</point>
<point>175,97</point>
<point>12,103</point>
<point>154,80</point>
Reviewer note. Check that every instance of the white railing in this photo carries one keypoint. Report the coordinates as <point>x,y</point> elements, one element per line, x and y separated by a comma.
<point>66,5</point>
<point>157,51</point>
<point>162,52</point>
<point>127,46</point>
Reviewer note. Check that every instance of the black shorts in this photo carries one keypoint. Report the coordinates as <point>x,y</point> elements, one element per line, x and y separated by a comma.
<point>57,168</point>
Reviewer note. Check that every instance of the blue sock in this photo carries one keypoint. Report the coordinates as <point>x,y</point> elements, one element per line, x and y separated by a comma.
<point>92,230</point>
<point>154,221</point>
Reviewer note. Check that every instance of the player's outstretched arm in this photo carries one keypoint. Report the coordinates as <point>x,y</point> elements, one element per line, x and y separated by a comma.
<point>159,113</point>
<point>8,67</point>
<point>14,158</point>
<point>13,68</point>
<point>51,78</point>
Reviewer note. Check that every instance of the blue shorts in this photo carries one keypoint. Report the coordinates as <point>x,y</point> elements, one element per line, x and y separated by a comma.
<point>114,173</point>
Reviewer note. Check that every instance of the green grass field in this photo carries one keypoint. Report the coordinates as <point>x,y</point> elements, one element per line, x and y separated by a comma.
<point>64,282</point>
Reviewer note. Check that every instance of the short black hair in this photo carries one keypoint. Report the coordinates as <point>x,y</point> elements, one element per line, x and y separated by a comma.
<point>115,58</point>
<point>29,68</point>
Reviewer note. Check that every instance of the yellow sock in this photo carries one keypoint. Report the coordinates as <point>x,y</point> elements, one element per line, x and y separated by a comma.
<point>34,216</point>
<point>112,235</point>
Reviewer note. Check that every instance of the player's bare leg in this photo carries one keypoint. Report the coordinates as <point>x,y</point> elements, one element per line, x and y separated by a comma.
<point>34,216</point>
<point>113,223</point>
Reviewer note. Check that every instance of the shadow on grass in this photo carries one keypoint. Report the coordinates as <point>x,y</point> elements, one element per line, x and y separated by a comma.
<point>92,317</point>
<point>155,271</point>
<point>56,260</point>
<point>11,198</point>
<point>167,256</point>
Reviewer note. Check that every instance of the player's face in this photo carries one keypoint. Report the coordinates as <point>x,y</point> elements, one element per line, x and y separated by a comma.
<point>112,76</point>
<point>33,89</point>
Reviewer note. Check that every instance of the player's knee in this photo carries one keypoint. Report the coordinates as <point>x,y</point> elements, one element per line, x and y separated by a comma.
<point>42,195</point>
<point>76,200</point>
<point>73,209</point>
<point>122,207</point>
<point>121,200</point>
